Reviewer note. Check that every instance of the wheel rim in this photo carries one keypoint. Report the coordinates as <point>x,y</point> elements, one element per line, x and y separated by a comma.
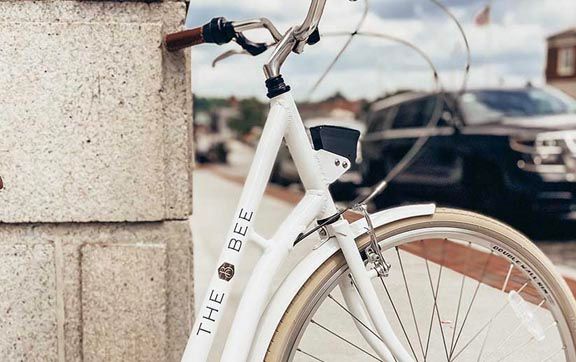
<point>461,332</point>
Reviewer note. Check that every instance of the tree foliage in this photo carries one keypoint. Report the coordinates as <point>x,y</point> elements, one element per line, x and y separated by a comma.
<point>203,104</point>
<point>251,113</point>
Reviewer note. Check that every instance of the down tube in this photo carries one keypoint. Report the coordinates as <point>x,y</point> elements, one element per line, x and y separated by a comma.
<point>257,290</point>
<point>216,297</point>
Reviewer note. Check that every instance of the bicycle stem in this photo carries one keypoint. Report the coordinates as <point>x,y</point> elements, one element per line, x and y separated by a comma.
<point>280,54</point>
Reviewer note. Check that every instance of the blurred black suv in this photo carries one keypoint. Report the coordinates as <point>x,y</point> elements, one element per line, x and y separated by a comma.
<point>506,152</point>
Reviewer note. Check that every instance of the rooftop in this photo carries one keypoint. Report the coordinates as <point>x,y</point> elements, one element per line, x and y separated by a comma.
<point>564,34</point>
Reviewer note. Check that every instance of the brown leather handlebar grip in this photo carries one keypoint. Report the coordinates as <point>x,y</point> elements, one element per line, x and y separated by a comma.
<point>184,39</point>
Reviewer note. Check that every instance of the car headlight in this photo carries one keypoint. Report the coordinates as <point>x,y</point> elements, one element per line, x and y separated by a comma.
<point>550,154</point>
<point>550,143</point>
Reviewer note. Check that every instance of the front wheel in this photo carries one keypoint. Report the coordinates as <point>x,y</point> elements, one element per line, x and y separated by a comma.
<point>462,287</point>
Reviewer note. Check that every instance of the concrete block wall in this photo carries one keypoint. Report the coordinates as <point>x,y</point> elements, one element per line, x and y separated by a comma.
<point>97,292</point>
<point>93,110</point>
<point>96,156</point>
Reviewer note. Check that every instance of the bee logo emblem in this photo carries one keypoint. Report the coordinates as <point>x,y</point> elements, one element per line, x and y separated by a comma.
<point>226,271</point>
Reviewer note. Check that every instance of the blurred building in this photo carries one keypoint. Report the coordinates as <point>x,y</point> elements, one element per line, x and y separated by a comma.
<point>211,131</point>
<point>216,114</point>
<point>561,62</point>
<point>335,107</point>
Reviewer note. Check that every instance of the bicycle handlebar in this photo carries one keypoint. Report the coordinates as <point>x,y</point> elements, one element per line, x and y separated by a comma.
<point>220,31</point>
<point>312,20</point>
<point>217,31</point>
<point>184,39</point>
<point>296,38</point>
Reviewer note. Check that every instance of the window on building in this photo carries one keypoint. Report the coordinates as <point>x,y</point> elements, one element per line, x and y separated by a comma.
<point>566,61</point>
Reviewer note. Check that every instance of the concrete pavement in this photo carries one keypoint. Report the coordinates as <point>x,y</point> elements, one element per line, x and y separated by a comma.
<point>214,204</point>
<point>215,200</point>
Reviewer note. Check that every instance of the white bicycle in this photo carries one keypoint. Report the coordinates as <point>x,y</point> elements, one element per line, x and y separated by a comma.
<point>413,283</point>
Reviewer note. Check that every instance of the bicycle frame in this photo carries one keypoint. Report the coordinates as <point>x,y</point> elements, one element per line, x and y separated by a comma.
<point>317,171</point>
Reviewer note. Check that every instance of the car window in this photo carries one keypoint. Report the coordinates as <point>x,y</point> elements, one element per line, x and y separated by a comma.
<point>415,114</point>
<point>381,120</point>
<point>491,105</point>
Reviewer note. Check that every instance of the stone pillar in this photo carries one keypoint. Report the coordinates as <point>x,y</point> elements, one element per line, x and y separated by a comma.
<point>95,153</point>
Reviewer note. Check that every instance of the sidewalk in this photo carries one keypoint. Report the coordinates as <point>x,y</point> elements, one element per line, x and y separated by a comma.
<point>217,192</point>
<point>215,200</point>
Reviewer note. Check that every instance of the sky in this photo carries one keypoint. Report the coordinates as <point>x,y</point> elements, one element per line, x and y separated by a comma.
<point>509,52</point>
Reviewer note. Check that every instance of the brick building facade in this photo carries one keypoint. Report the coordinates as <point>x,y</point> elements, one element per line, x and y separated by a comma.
<point>561,61</point>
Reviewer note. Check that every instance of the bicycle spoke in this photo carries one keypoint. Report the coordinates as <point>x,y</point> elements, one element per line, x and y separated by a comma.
<point>505,341</point>
<point>356,318</point>
<point>410,300</point>
<point>503,289</point>
<point>309,355</point>
<point>491,320</point>
<point>398,317</point>
<point>471,303</point>
<point>460,298</point>
<point>353,316</point>
<point>522,346</point>
<point>554,354</point>
<point>435,295</point>
<point>440,284</point>
<point>509,337</point>
<point>344,339</point>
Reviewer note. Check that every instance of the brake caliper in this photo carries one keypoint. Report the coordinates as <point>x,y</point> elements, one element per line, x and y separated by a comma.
<point>373,251</point>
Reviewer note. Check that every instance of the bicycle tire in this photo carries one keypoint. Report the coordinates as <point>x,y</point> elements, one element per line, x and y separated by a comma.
<point>314,291</point>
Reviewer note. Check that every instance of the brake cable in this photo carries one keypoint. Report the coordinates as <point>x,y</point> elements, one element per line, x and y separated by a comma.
<point>454,19</point>
<point>359,205</point>
<point>343,49</point>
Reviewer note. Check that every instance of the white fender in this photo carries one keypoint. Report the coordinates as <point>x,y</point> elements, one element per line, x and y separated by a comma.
<point>302,272</point>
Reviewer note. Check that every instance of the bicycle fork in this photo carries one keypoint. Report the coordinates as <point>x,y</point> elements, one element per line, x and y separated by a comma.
<point>375,313</point>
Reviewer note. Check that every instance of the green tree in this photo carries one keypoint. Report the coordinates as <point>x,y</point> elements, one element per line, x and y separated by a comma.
<point>203,104</point>
<point>251,113</point>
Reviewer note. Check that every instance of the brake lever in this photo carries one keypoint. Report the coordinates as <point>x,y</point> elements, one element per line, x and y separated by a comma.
<point>261,48</point>
<point>228,54</point>
<point>251,47</point>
